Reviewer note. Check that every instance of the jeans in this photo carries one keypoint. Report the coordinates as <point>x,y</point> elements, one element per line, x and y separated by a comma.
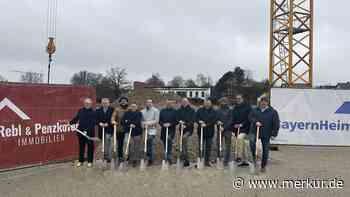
<point>151,143</point>
<point>227,147</point>
<point>265,149</point>
<point>120,146</point>
<point>83,142</point>
<point>108,147</point>
<point>207,142</point>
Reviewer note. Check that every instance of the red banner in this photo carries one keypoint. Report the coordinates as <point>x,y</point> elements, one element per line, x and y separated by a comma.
<point>33,123</point>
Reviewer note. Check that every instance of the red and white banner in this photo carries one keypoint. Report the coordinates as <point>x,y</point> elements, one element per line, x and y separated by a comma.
<point>33,128</point>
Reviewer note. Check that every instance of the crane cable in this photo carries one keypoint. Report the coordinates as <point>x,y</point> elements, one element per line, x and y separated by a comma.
<point>51,31</point>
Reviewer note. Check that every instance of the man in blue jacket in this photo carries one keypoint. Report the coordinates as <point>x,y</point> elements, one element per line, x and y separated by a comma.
<point>266,118</point>
<point>167,119</point>
<point>206,117</point>
<point>86,118</point>
<point>104,115</point>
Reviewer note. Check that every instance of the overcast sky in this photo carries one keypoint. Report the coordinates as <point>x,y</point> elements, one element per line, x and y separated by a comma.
<point>171,37</point>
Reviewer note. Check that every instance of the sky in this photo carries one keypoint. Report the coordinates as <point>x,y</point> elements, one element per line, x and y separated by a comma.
<point>182,37</point>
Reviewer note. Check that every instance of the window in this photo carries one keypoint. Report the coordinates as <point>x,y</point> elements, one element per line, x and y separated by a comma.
<point>203,94</point>
<point>196,94</point>
<point>191,94</point>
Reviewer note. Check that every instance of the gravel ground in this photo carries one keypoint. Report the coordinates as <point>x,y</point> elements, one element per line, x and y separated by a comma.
<point>289,163</point>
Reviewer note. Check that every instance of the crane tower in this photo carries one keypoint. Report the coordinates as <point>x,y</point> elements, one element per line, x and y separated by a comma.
<point>291,43</point>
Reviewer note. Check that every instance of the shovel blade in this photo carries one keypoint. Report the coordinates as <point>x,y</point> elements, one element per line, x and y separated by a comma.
<point>142,165</point>
<point>252,168</point>
<point>200,164</point>
<point>164,165</point>
<point>219,164</point>
<point>100,164</point>
<point>232,166</point>
<point>179,164</point>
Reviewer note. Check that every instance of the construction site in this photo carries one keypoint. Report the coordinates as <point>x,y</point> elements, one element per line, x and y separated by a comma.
<point>309,157</point>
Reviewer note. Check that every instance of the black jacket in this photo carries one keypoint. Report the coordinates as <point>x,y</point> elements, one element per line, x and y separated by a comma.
<point>167,115</point>
<point>86,118</point>
<point>188,115</point>
<point>135,118</point>
<point>225,116</point>
<point>104,117</point>
<point>210,117</point>
<point>240,116</point>
<point>269,119</point>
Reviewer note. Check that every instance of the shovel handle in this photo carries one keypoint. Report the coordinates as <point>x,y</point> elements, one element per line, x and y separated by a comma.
<point>103,139</point>
<point>220,138</point>
<point>257,141</point>
<point>181,135</point>
<point>128,143</point>
<point>236,142</point>
<point>166,140</point>
<point>201,143</point>
<point>115,139</point>
<point>146,133</point>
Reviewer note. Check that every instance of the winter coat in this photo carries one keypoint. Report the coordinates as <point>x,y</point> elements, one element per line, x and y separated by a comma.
<point>86,118</point>
<point>167,115</point>
<point>104,117</point>
<point>269,120</point>
<point>132,117</point>
<point>210,117</point>
<point>225,116</point>
<point>188,115</point>
<point>240,116</point>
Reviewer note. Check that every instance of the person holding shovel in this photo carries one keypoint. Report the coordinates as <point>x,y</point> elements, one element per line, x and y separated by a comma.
<point>206,118</point>
<point>150,121</point>
<point>86,119</point>
<point>131,122</point>
<point>241,128</point>
<point>186,116</point>
<point>104,115</point>
<point>168,121</point>
<point>225,120</point>
<point>265,123</point>
<point>116,121</point>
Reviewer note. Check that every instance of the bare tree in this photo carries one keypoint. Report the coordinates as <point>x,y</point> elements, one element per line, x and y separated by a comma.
<point>190,83</point>
<point>86,78</point>
<point>32,77</point>
<point>204,81</point>
<point>177,81</point>
<point>155,80</point>
<point>117,77</point>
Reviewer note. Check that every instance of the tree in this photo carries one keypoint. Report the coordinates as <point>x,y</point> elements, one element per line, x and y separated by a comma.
<point>203,81</point>
<point>190,83</point>
<point>155,80</point>
<point>86,78</point>
<point>32,77</point>
<point>117,78</point>
<point>239,75</point>
<point>177,81</point>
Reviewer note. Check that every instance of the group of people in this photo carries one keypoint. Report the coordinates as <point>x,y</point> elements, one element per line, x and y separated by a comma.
<point>240,121</point>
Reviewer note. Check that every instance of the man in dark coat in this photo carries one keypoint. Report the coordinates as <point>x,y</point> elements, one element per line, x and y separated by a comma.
<point>240,120</point>
<point>206,118</point>
<point>225,120</point>
<point>133,119</point>
<point>104,115</point>
<point>266,118</point>
<point>86,118</point>
<point>167,119</point>
<point>186,115</point>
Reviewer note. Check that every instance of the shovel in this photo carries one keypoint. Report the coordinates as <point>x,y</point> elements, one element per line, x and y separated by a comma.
<point>142,164</point>
<point>100,163</point>
<point>200,161</point>
<point>178,162</point>
<point>233,161</point>
<point>253,165</point>
<point>122,165</point>
<point>164,162</point>
<point>114,158</point>
<point>219,162</point>
<point>84,133</point>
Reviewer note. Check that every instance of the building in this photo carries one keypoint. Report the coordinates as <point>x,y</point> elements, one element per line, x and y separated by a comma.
<point>189,92</point>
